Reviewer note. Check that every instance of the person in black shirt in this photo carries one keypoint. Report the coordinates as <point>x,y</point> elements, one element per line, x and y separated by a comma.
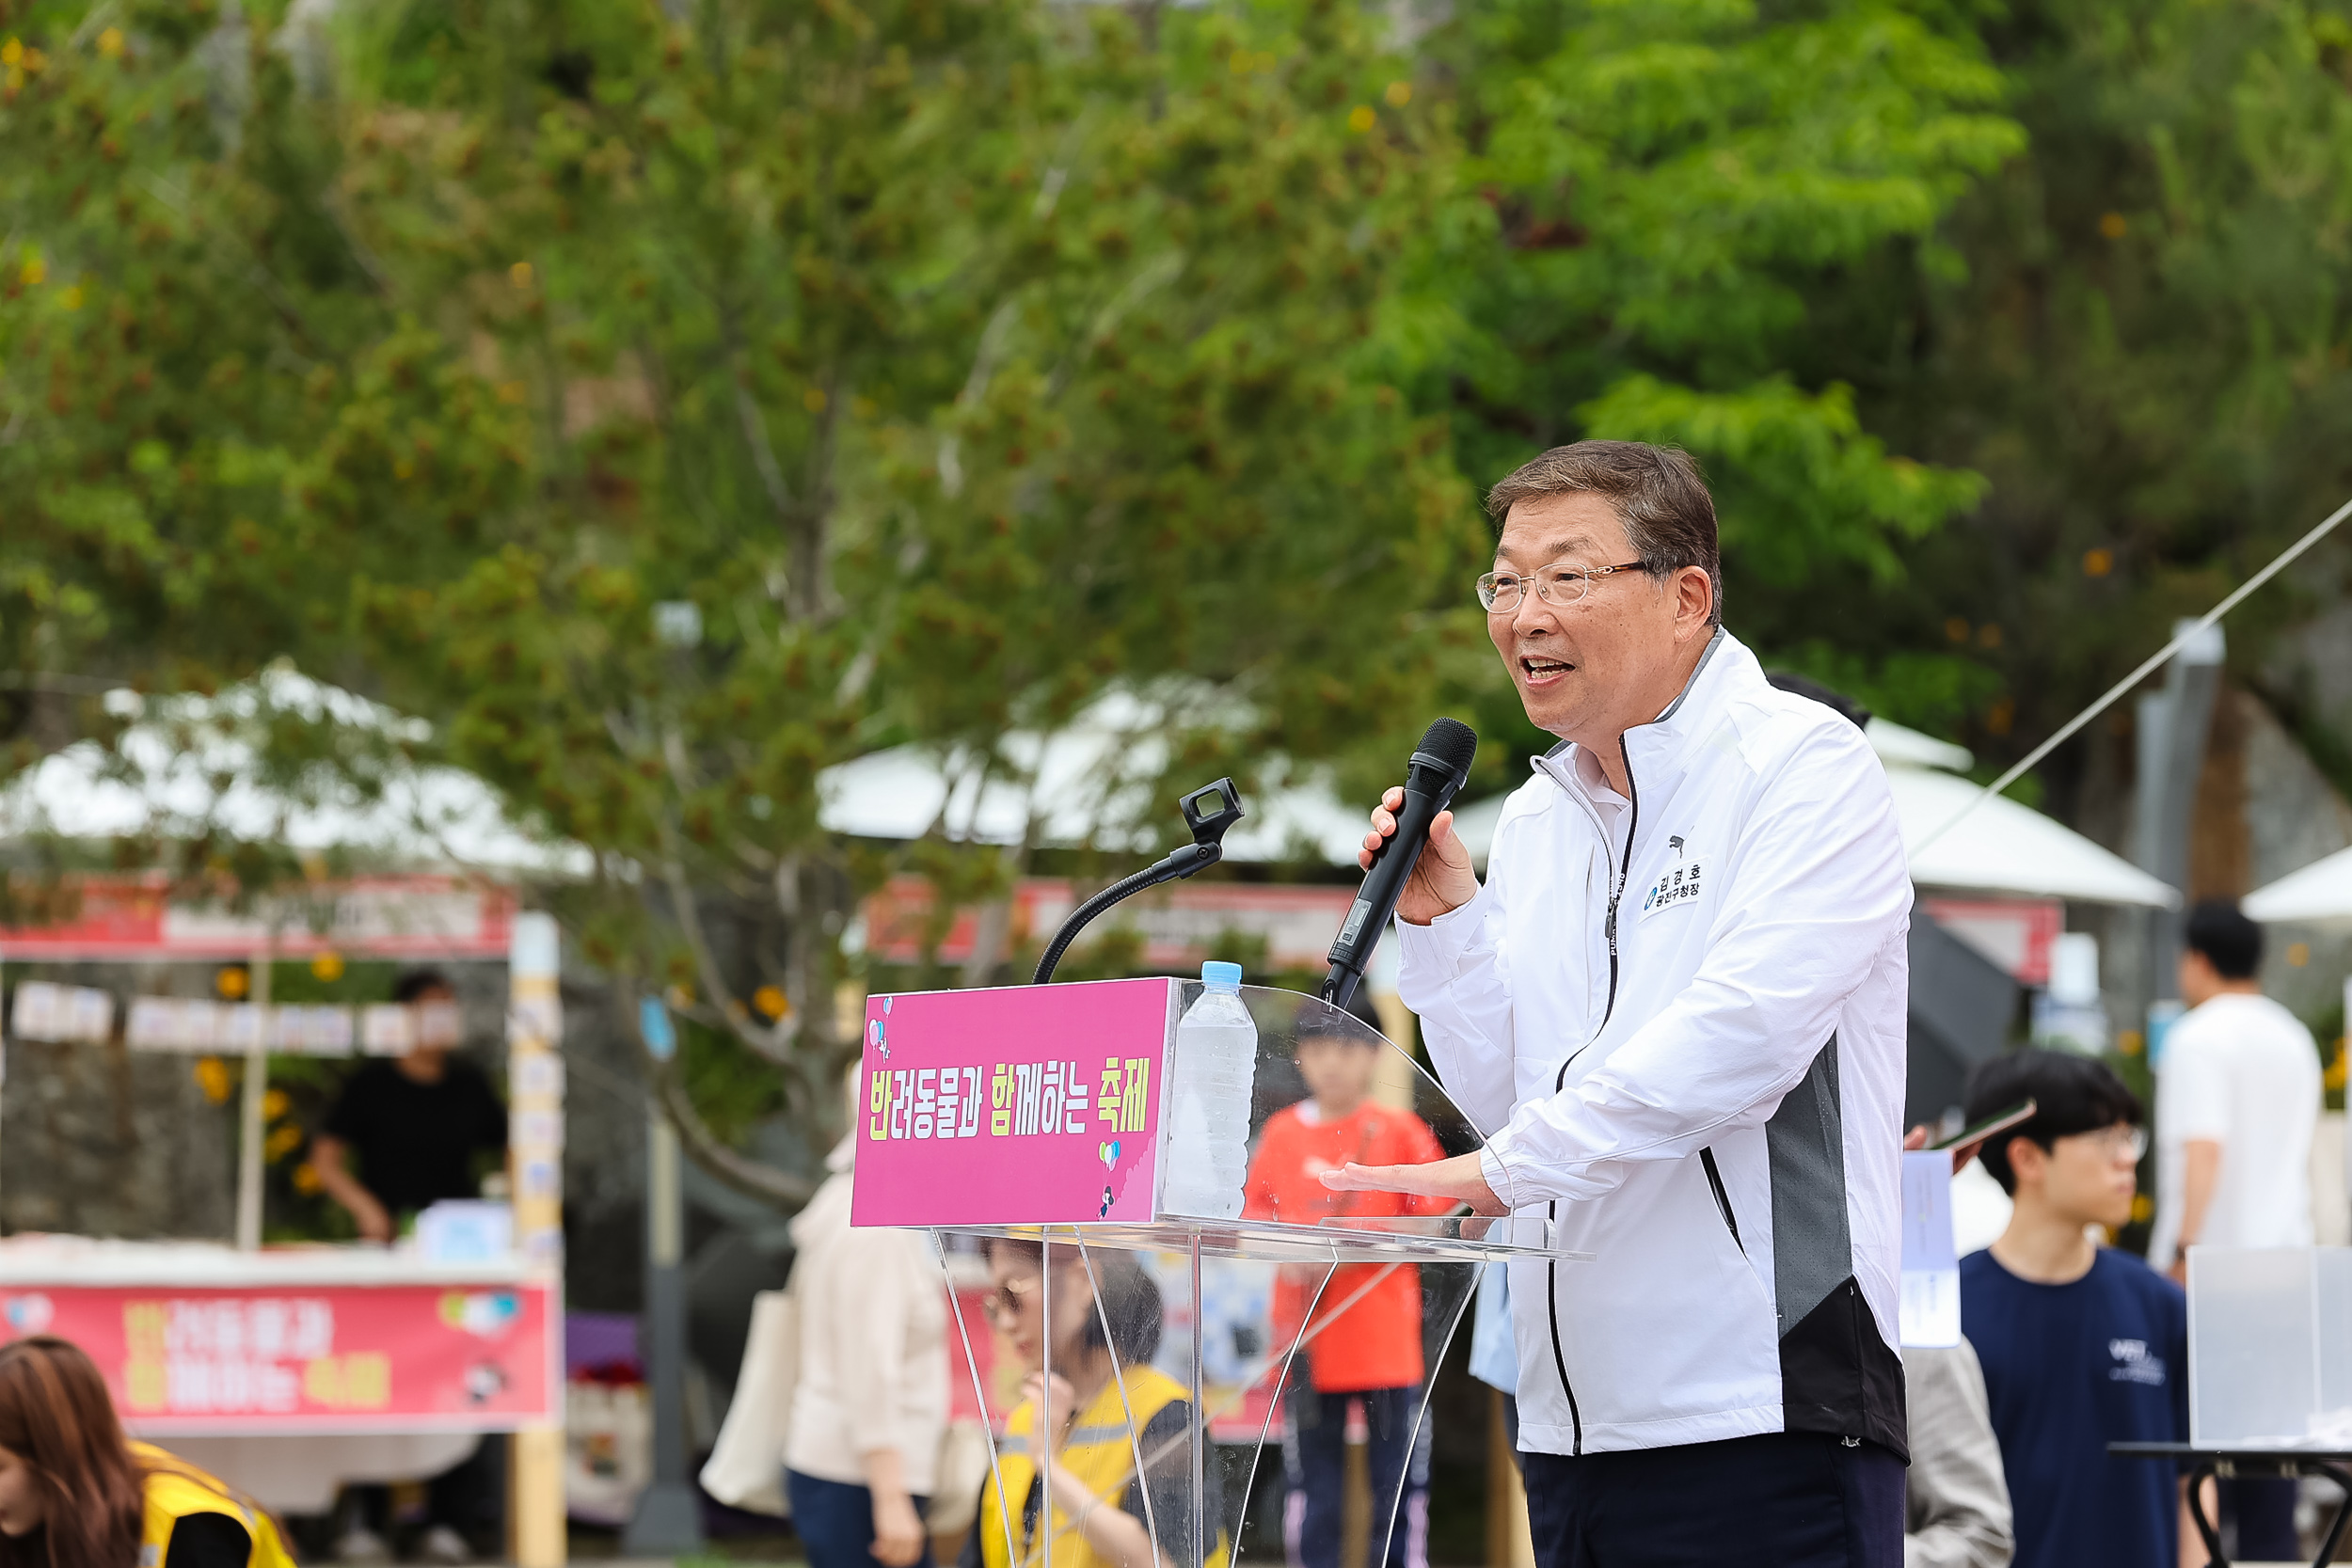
<point>418,1124</point>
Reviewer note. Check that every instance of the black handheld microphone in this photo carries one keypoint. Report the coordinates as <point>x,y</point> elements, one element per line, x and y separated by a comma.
<point>1439,765</point>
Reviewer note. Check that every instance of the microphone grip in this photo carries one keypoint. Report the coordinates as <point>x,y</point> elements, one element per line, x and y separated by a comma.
<point>1427,792</point>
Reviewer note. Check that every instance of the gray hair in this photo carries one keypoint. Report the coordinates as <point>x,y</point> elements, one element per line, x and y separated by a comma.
<point>1658,493</point>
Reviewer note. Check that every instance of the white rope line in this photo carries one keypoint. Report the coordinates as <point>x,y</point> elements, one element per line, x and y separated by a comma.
<point>2195,629</point>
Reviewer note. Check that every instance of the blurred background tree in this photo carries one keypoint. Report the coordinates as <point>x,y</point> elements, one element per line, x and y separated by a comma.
<point>2144,351</point>
<point>1654,198</point>
<point>173,302</point>
<point>665,404</point>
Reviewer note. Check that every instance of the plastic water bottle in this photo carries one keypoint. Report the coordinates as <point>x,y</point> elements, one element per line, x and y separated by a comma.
<point>1216,1063</point>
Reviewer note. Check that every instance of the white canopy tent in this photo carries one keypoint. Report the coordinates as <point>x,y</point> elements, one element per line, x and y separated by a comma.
<point>2320,892</point>
<point>193,768</point>
<point>1087,783</point>
<point>1999,847</point>
<point>187,765</point>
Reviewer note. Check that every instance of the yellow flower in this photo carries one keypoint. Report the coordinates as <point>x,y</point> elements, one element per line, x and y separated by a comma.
<point>282,1143</point>
<point>12,52</point>
<point>519,275</point>
<point>212,1076</point>
<point>2114,226</point>
<point>274,1105</point>
<point>328,967</point>
<point>1399,94</point>
<point>232,982</point>
<point>2098,562</point>
<point>33,272</point>
<point>306,1177</point>
<point>1359,118</point>
<point>110,43</point>
<point>2143,1207</point>
<point>71,299</point>
<point>772,1002</point>
<point>814,400</point>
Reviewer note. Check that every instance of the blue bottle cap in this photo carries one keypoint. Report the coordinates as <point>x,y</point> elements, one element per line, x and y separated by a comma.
<point>1221,976</point>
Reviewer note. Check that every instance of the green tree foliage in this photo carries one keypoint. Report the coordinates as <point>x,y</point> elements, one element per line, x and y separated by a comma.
<point>1655,195</point>
<point>668,404</point>
<point>169,320</point>
<point>2143,349</point>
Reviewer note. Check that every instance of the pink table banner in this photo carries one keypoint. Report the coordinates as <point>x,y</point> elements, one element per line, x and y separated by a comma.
<point>309,1358</point>
<point>1016,1105</point>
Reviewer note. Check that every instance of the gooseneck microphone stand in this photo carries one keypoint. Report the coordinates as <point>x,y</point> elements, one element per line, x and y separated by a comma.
<point>1208,811</point>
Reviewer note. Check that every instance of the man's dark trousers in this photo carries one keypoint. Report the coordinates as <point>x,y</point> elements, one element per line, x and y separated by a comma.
<point>1782,1500</point>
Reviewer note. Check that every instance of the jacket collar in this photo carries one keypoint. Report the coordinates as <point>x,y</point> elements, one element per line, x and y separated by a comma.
<point>1657,753</point>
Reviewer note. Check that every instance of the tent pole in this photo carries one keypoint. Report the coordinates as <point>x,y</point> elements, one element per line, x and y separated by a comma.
<point>249,1117</point>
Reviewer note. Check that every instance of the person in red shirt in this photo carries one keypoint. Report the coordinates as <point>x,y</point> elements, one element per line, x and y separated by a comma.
<point>1365,1342</point>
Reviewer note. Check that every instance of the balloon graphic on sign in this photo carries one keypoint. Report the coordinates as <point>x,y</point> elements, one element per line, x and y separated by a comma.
<point>485,1314</point>
<point>28,1314</point>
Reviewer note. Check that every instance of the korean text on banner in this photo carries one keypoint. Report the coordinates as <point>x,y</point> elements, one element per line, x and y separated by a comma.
<point>1019,1105</point>
<point>308,1358</point>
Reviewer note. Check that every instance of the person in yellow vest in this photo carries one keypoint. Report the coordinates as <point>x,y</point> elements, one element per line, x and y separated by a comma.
<point>1107,1510</point>
<point>77,1493</point>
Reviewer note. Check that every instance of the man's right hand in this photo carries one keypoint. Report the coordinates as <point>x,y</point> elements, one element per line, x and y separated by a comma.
<point>1443,882</point>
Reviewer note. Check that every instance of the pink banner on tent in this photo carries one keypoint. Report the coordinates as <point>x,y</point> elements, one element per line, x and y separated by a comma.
<point>203,1359</point>
<point>149,917</point>
<point>1018,1105</point>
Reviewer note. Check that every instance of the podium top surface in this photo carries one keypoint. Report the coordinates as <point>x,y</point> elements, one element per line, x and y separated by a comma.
<point>1463,1239</point>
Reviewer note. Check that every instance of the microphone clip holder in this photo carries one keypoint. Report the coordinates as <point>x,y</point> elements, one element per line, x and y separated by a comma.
<point>1209,811</point>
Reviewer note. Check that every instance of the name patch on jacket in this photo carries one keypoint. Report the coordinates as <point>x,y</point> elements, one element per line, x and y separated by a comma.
<point>1679,885</point>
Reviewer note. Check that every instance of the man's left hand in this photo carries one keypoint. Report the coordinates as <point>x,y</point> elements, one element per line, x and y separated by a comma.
<point>1962,1153</point>
<point>1460,1179</point>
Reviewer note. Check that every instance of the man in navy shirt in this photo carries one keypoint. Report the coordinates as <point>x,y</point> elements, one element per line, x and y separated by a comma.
<point>2082,1345</point>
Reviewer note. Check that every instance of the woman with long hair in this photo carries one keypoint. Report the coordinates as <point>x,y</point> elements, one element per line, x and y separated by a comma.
<point>77,1493</point>
<point>1118,1429</point>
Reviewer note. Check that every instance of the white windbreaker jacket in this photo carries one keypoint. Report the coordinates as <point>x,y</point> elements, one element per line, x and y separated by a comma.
<point>1685,1037</point>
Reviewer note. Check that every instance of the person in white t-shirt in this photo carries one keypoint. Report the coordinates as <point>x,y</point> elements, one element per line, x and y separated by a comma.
<point>2238,1099</point>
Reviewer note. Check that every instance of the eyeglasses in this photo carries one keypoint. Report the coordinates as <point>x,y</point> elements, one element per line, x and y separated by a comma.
<point>2117,1142</point>
<point>1007,1301</point>
<point>1500,591</point>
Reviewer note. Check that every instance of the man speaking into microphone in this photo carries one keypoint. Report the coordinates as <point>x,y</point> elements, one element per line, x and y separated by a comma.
<point>1678,1005</point>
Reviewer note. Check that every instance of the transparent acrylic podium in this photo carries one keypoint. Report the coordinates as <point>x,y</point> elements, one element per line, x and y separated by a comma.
<point>1182,1340</point>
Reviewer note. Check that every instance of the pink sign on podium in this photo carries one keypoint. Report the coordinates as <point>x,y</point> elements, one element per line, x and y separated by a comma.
<point>1016,1105</point>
